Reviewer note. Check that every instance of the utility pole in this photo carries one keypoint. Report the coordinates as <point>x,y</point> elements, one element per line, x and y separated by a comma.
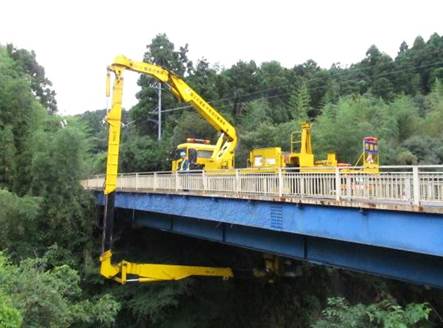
<point>159,109</point>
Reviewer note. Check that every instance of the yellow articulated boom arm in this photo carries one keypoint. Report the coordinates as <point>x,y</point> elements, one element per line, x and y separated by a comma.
<point>151,272</point>
<point>124,271</point>
<point>227,142</point>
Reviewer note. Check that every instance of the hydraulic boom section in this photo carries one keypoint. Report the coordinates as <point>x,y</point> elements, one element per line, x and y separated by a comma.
<point>125,271</point>
<point>222,156</point>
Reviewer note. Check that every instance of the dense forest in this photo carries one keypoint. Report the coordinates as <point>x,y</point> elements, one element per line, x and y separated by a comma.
<point>397,100</point>
<point>49,239</point>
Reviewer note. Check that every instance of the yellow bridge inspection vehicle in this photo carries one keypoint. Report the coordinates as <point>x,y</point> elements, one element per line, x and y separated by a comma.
<point>221,156</point>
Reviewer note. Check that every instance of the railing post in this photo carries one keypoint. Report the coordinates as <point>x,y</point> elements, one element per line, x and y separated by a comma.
<point>408,192</point>
<point>176,181</point>
<point>136,181</point>
<point>237,181</point>
<point>155,182</point>
<point>302,183</point>
<point>349,194</point>
<point>204,182</point>
<point>415,186</point>
<point>280,183</point>
<point>337,184</point>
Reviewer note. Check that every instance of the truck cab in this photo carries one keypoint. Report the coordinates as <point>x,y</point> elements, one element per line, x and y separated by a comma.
<point>197,151</point>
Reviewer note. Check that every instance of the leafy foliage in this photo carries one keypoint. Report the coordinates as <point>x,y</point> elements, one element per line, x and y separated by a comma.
<point>56,169</point>
<point>49,297</point>
<point>18,219</point>
<point>10,317</point>
<point>384,314</point>
<point>40,84</point>
<point>45,214</point>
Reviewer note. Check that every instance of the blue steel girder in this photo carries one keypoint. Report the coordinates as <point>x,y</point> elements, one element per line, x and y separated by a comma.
<point>407,231</point>
<point>400,265</point>
<point>398,245</point>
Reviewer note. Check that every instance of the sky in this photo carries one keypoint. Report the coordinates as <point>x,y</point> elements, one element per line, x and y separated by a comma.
<point>76,40</point>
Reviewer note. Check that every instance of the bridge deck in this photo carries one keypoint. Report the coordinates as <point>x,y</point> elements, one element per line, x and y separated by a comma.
<point>387,224</point>
<point>399,188</point>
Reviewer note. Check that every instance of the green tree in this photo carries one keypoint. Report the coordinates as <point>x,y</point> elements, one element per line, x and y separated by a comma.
<point>426,150</point>
<point>56,170</point>
<point>162,52</point>
<point>20,114</point>
<point>144,153</point>
<point>299,103</point>
<point>342,126</point>
<point>275,82</point>
<point>256,112</point>
<point>40,84</point>
<point>242,85</point>
<point>18,219</point>
<point>434,113</point>
<point>204,79</point>
<point>7,157</point>
<point>378,67</point>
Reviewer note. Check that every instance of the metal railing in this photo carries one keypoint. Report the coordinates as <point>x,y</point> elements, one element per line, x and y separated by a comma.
<point>412,185</point>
